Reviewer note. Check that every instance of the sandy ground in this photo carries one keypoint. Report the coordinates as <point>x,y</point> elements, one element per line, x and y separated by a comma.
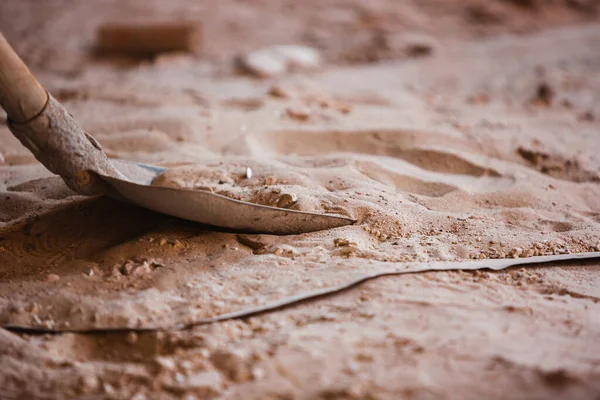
<point>486,148</point>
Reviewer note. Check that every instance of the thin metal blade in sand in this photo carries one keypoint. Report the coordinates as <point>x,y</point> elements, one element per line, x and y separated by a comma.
<point>211,208</point>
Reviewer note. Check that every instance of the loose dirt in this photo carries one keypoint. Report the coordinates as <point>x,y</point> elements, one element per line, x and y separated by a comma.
<point>451,130</point>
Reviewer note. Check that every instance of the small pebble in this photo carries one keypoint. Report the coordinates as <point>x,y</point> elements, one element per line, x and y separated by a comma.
<point>166,363</point>
<point>341,242</point>
<point>278,60</point>
<point>362,356</point>
<point>417,45</point>
<point>516,252</point>
<point>587,116</point>
<point>257,373</point>
<point>108,389</point>
<point>544,94</point>
<point>52,278</point>
<point>286,200</point>
<point>298,113</point>
<point>528,253</point>
<point>279,92</point>
<point>344,108</point>
<point>205,353</point>
<point>248,173</point>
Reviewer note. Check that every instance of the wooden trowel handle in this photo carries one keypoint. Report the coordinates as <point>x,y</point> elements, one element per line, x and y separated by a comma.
<point>47,129</point>
<point>21,95</point>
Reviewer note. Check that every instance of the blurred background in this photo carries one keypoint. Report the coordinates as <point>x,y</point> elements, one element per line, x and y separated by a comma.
<point>62,35</point>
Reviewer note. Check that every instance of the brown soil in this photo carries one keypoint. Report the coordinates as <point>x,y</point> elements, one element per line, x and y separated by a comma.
<point>477,138</point>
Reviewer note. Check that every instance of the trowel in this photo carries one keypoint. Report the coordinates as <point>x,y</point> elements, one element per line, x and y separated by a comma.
<point>45,127</point>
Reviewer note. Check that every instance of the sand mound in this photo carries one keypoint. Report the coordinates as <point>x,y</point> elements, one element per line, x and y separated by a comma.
<point>450,158</point>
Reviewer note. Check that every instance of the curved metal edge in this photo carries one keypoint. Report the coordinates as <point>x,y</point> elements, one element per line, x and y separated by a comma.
<point>498,265</point>
<point>269,219</point>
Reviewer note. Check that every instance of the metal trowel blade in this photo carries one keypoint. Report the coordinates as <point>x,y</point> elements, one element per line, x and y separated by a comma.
<point>211,208</point>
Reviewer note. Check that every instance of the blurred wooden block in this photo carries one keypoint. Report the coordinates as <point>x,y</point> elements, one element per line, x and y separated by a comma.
<point>145,39</point>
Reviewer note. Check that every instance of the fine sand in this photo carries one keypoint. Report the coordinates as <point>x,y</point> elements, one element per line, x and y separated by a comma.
<point>484,149</point>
